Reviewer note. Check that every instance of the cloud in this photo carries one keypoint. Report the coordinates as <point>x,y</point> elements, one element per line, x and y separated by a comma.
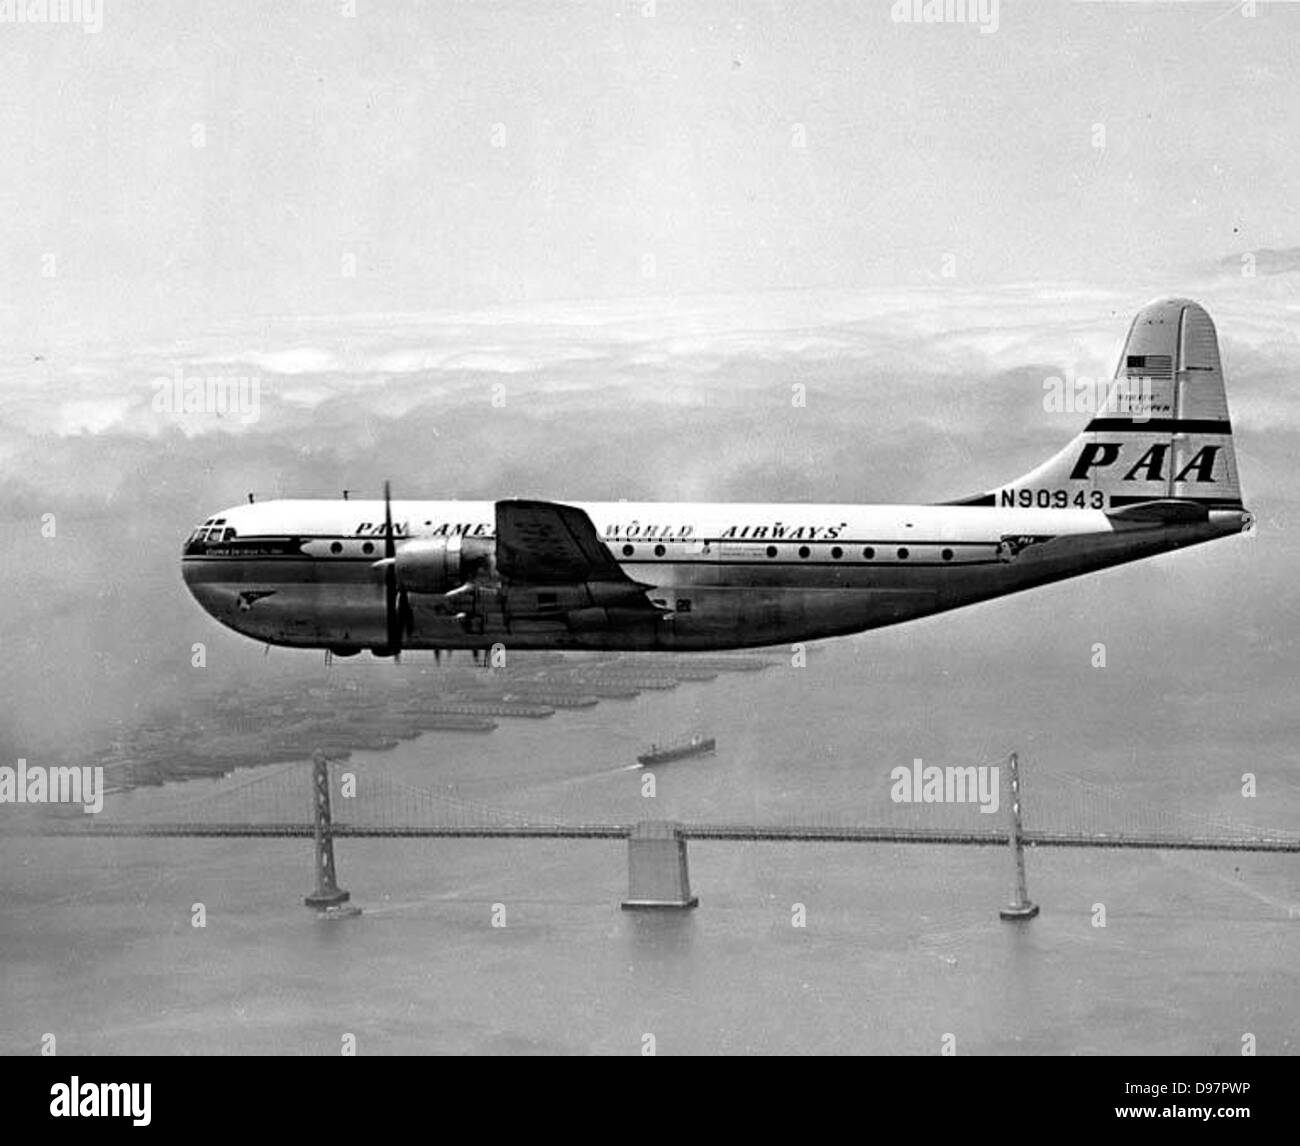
<point>921,395</point>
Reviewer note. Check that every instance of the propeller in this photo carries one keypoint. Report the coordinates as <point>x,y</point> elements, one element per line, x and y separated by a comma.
<point>398,617</point>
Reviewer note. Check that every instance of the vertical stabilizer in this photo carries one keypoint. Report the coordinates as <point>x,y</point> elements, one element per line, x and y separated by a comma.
<point>1163,431</point>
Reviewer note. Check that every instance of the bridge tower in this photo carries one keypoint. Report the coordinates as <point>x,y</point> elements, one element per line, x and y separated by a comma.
<point>1020,907</point>
<point>657,870</point>
<point>328,893</point>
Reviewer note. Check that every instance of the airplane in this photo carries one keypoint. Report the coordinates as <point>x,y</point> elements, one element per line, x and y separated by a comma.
<point>1154,470</point>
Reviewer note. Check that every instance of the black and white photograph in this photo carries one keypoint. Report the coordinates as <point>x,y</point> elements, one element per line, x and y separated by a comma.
<point>728,528</point>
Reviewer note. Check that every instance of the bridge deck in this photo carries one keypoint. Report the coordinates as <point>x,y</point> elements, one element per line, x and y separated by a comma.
<point>990,837</point>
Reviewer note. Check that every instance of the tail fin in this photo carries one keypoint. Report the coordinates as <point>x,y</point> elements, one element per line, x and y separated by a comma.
<point>1163,431</point>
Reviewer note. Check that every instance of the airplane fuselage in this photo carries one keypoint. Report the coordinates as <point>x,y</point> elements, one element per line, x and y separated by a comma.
<point>303,573</point>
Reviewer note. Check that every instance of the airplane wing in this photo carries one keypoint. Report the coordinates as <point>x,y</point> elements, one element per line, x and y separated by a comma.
<point>544,543</point>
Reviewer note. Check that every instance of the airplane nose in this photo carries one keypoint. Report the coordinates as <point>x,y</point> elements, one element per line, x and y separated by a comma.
<point>198,574</point>
<point>192,547</point>
<point>191,575</point>
<point>216,597</point>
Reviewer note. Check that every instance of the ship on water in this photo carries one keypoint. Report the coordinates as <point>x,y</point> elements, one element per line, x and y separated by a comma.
<point>696,745</point>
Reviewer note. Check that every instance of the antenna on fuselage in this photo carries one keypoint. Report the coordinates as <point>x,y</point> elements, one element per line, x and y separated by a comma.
<point>250,498</point>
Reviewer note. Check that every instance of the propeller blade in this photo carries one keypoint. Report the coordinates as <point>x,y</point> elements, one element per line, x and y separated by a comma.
<point>392,603</point>
<point>390,548</point>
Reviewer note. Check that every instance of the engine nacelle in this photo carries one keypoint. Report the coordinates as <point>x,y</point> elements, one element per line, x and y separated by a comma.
<point>439,564</point>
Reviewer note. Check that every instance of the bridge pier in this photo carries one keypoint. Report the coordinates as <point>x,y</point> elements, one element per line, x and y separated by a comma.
<point>1020,907</point>
<point>328,893</point>
<point>657,871</point>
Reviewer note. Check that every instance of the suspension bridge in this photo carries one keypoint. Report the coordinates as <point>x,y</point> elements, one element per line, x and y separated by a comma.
<point>277,803</point>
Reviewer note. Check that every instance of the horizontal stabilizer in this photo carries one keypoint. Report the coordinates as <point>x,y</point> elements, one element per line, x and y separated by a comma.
<point>1165,511</point>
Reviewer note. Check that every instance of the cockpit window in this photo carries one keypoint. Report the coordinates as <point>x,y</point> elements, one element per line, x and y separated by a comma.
<point>211,532</point>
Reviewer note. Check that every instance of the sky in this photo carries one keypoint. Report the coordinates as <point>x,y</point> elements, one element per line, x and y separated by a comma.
<point>645,222</point>
<point>188,163</point>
